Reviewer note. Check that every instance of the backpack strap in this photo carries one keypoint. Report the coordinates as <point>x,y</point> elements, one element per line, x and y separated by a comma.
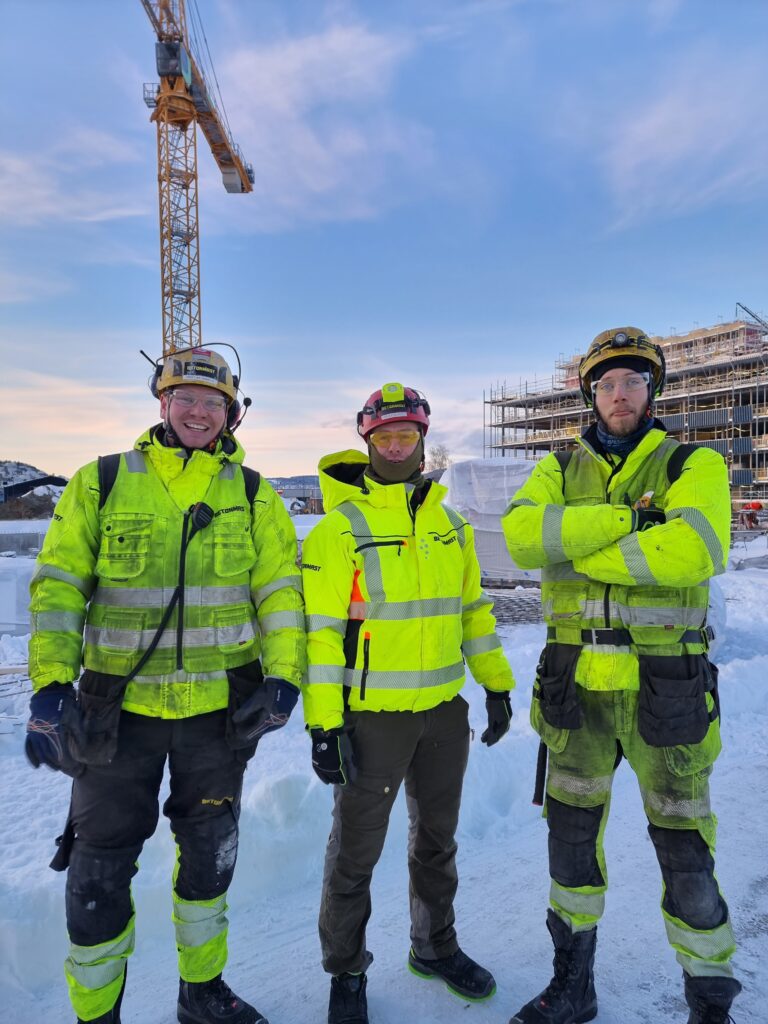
<point>108,466</point>
<point>678,459</point>
<point>252,484</point>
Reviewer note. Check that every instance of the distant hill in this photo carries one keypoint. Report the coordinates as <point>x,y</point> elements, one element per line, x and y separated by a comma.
<point>33,505</point>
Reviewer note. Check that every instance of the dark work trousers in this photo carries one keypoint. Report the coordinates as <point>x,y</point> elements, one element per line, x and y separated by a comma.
<point>429,749</point>
<point>115,809</point>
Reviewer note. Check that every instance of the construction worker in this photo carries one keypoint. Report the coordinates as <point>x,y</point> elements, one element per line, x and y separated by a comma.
<point>173,569</point>
<point>394,607</point>
<point>627,529</point>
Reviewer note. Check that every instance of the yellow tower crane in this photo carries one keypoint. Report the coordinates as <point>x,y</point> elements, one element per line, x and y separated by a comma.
<point>180,101</point>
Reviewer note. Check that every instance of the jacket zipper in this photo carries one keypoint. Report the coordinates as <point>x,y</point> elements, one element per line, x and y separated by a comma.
<point>182,574</point>
<point>366,653</point>
<point>381,544</point>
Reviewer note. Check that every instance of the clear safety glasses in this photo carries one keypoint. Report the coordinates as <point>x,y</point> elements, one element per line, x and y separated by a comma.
<point>212,403</point>
<point>637,382</point>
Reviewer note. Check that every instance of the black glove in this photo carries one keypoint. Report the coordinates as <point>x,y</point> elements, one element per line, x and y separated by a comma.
<point>499,709</point>
<point>333,758</point>
<point>45,742</point>
<point>645,518</point>
<point>267,709</point>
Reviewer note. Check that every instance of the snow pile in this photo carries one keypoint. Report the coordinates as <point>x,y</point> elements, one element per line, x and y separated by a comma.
<point>751,553</point>
<point>502,896</point>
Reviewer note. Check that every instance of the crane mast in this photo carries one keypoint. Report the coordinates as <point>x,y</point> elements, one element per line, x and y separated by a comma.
<point>179,102</point>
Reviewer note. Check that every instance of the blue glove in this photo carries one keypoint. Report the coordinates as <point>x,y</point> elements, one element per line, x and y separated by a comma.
<point>267,709</point>
<point>45,742</point>
<point>499,709</point>
<point>333,758</point>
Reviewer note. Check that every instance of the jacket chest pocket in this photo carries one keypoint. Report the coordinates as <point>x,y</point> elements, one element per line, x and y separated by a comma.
<point>233,550</point>
<point>125,543</point>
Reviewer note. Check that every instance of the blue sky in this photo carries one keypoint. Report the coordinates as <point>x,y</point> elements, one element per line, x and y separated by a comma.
<point>447,193</point>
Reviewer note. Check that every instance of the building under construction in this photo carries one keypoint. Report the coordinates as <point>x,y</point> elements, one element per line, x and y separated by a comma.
<point>716,395</point>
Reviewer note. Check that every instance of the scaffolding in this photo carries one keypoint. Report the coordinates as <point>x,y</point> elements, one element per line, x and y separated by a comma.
<point>716,395</point>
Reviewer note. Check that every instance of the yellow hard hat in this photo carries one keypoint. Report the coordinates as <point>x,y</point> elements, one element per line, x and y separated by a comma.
<point>627,342</point>
<point>197,366</point>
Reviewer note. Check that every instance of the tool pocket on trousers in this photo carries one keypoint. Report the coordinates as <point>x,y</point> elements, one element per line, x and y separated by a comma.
<point>93,728</point>
<point>243,683</point>
<point>556,681</point>
<point>677,699</point>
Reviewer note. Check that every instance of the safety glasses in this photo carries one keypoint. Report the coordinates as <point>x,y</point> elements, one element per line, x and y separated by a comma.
<point>403,438</point>
<point>636,382</point>
<point>212,403</point>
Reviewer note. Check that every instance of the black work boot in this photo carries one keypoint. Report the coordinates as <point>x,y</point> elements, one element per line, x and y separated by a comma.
<point>111,1016</point>
<point>710,998</point>
<point>463,976</point>
<point>570,997</point>
<point>214,1002</point>
<point>348,1003</point>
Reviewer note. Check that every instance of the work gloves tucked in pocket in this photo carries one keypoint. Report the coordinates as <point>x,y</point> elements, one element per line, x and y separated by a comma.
<point>333,758</point>
<point>499,709</point>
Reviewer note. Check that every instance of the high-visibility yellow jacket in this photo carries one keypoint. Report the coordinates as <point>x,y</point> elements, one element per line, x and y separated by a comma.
<point>393,600</point>
<point>105,576</point>
<point>597,575</point>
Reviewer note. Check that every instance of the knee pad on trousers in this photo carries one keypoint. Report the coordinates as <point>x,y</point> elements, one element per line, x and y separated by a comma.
<point>691,892</point>
<point>207,856</point>
<point>98,892</point>
<point>573,835</point>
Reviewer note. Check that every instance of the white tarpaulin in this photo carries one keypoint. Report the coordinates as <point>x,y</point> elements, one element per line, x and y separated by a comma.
<point>481,489</point>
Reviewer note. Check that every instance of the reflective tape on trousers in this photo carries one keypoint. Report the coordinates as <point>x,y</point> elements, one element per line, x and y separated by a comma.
<point>197,923</point>
<point>572,902</point>
<point>96,966</point>
<point>577,785</point>
<point>667,805</point>
<point>717,944</point>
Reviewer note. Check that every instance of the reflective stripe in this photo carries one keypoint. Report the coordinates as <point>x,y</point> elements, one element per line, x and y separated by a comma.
<point>182,676</point>
<point>413,680</point>
<point>699,523</point>
<point>480,645</point>
<point>61,622</point>
<point>481,602</point>
<point>636,562</point>
<point>599,785</point>
<point>158,597</point>
<point>395,611</point>
<point>458,523</point>
<point>552,533</point>
<point>560,571</point>
<point>198,923</point>
<point>629,615</point>
<point>371,560</point>
<point>96,966</point>
<point>519,503</point>
<point>325,674</point>
<point>202,636</point>
<point>135,461</point>
<point>294,582</point>
<point>590,903</point>
<point>282,620</point>
<point>227,472</point>
<point>718,944</point>
<point>317,622</point>
<point>52,572</point>
<point>667,805</point>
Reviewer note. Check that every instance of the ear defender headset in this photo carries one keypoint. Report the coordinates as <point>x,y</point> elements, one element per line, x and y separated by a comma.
<point>235,411</point>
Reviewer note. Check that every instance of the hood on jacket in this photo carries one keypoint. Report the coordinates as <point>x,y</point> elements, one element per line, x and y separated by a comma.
<point>342,478</point>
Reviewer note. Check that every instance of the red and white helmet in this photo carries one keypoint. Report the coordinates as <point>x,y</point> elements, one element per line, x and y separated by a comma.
<point>393,403</point>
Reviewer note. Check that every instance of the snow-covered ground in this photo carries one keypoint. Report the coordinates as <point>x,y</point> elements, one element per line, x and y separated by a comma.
<point>274,954</point>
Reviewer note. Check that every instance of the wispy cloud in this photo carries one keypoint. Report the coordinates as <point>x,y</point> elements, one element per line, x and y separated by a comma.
<point>28,287</point>
<point>694,136</point>
<point>56,185</point>
<point>314,115</point>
